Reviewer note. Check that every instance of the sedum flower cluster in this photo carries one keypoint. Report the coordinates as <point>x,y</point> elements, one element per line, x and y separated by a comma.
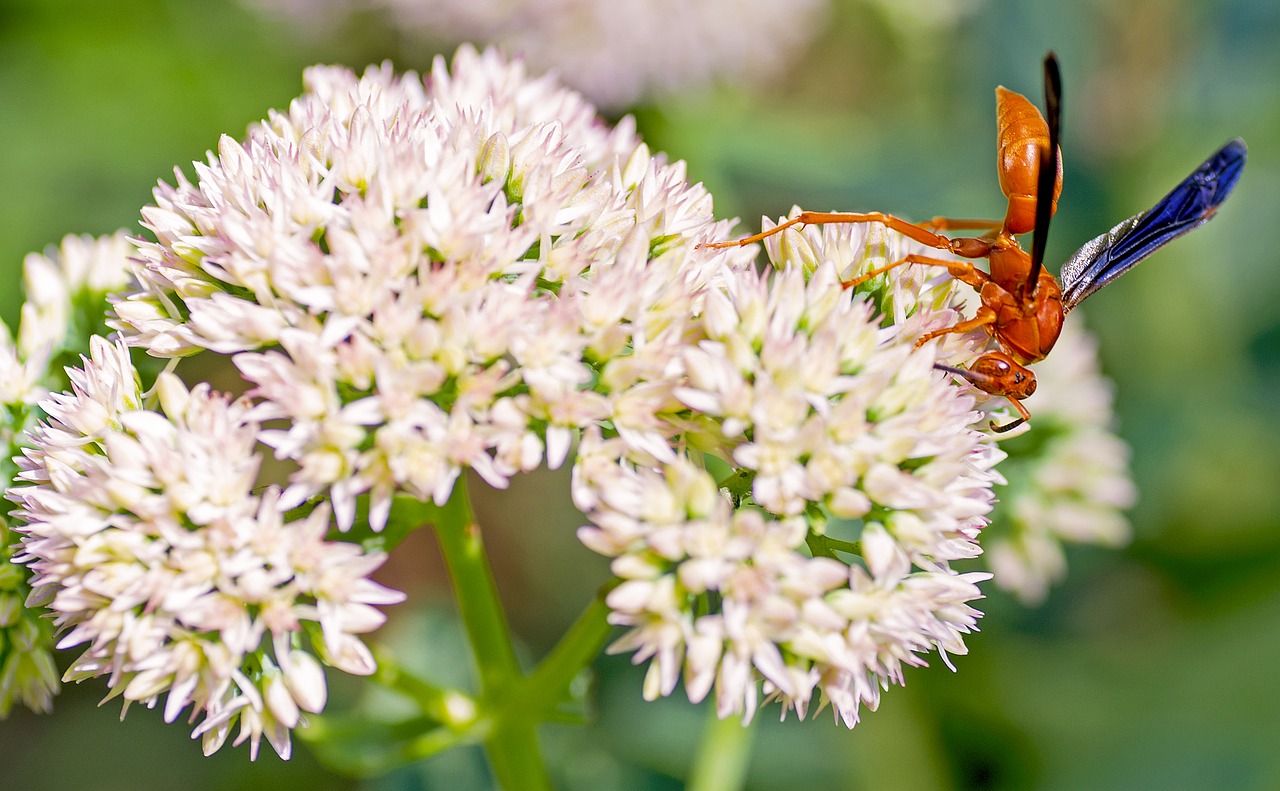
<point>146,540</point>
<point>617,54</point>
<point>421,279</point>
<point>416,277</point>
<point>66,291</point>
<point>858,475</point>
<point>413,277</point>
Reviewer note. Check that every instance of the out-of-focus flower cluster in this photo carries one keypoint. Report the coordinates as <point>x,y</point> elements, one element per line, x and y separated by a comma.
<point>66,290</point>
<point>1068,478</point>
<point>615,53</point>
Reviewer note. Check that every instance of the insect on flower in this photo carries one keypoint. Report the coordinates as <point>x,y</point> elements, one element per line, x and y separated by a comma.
<point>1022,305</point>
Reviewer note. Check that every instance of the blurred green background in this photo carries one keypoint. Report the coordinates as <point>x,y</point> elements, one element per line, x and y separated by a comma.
<point>1151,667</point>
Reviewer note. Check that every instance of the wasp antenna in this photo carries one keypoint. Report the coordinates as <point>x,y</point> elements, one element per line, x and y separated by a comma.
<point>960,372</point>
<point>1048,175</point>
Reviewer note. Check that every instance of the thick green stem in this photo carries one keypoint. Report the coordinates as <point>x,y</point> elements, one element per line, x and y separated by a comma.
<point>477,593</point>
<point>723,753</point>
<point>512,744</point>
<point>516,759</point>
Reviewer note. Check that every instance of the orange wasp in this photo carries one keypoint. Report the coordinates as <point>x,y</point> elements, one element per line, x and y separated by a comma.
<point>1022,305</point>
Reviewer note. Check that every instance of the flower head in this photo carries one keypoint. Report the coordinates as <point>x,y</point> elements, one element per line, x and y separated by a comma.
<point>820,565</point>
<point>422,278</point>
<point>145,538</point>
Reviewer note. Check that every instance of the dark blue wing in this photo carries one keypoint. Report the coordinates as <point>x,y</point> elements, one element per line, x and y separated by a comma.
<point>1188,206</point>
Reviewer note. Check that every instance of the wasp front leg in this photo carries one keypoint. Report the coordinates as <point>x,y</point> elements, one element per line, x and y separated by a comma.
<point>953,224</point>
<point>1025,416</point>
<point>908,229</point>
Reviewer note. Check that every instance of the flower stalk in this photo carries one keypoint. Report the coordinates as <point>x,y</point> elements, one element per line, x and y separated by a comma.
<point>550,683</point>
<point>511,702</point>
<point>512,741</point>
<point>477,594</point>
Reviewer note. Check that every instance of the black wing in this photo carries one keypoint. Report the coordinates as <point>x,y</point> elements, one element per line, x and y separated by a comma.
<point>1048,169</point>
<point>1188,206</point>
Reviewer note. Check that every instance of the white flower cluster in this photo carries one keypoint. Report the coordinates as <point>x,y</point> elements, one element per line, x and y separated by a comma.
<point>422,279</point>
<point>840,425</point>
<point>414,278</point>
<point>1068,479</point>
<point>145,539</point>
<point>615,53</point>
<point>66,292</point>
<point>417,277</point>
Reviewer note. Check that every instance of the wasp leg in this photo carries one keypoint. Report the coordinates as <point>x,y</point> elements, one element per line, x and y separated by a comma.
<point>921,235</point>
<point>961,270</point>
<point>1014,424</point>
<point>953,224</point>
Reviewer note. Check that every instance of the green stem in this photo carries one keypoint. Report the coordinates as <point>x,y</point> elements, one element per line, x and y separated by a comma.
<point>361,748</point>
<point>477,592</point>
<point>514,754</point>
<point>512,744</point>
<point>432,742</point>
<point>721,762</point>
